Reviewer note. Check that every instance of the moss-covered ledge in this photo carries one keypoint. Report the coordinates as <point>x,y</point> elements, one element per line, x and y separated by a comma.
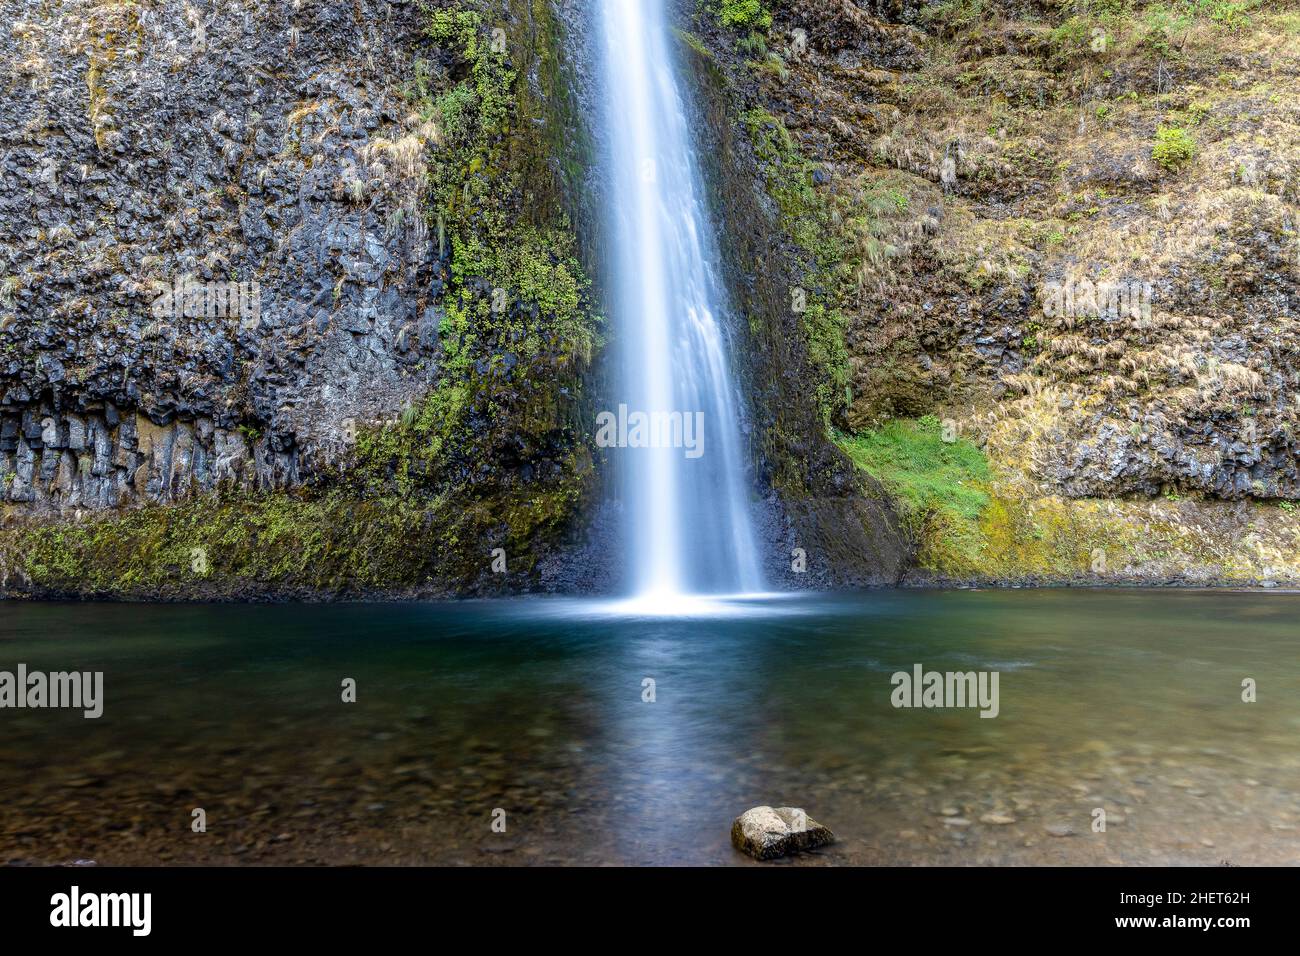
<point>287,545</point>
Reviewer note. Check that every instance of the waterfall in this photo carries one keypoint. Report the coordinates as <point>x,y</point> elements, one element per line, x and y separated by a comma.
<point>682,474</point>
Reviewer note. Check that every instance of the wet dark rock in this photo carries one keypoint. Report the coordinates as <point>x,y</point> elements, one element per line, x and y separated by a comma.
<point>204,156</point>
<point>846,526</point>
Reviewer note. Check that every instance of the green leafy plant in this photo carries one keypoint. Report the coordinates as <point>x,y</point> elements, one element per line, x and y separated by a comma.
<point>1174,147</point>
<point>1234,15</point>
<point>1162,25</point>
<point>744,14</point>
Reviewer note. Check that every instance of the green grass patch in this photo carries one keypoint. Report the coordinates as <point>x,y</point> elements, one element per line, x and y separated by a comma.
<point>928,474</point>
<point>939,485</point>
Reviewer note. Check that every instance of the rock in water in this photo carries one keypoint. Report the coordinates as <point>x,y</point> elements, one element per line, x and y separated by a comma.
<point>765,833</point>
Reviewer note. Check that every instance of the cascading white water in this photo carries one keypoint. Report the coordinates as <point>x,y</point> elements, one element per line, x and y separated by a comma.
<point>689,529</point>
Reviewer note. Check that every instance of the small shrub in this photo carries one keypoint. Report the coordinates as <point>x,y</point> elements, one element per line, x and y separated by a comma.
<point>1174,147</point>
<point>744,14</point>
<point>1071,37</point>
<point>1162,24</point>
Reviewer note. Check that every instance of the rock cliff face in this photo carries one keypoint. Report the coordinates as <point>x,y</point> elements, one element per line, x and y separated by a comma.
<point>260,159</point>
<point>295,298</point>
<point>1062,234</point>
<point>295,271</point>
<point>840,529</point>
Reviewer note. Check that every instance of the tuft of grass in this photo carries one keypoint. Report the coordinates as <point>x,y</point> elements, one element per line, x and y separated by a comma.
<point>1232,15</point>
<point>1286,22</point>
<point>694,42</point>
<point>952,17</point>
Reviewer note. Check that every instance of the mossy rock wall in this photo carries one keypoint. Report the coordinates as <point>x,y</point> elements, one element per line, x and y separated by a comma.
<point>480,461</point>
<point>1066,231</point>
<point>842,520</point>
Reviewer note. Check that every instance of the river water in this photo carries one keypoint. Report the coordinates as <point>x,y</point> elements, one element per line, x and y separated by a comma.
<point>1127,701</point>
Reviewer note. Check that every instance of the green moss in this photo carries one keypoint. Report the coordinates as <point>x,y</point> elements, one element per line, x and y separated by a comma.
<point>788,173</point>
<point>533,267</point>
<point>940,487</point>
<point>806,219</point>
<point>518,331</point>
<point>273,541</point>
<point>236,545</point>
<point>517,319</point>
<point>695,43</point>
<point>911,458</point>
<point>473,114</point>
